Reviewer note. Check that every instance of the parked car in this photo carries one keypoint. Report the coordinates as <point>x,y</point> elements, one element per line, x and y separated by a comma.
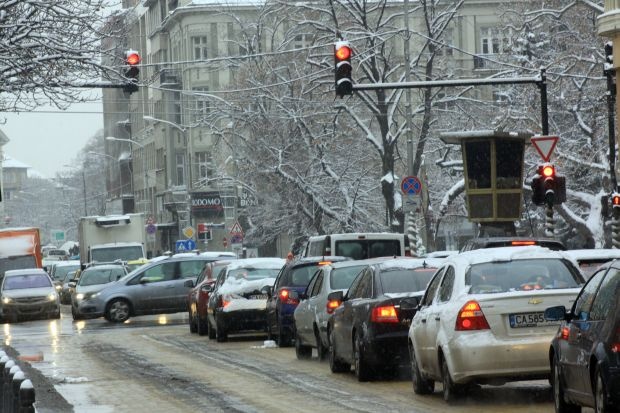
<point>238,301</point>
<point>584,354</point>
<point>481,319</point>
<point>198,297</point>
<point>369,330</point>
<point>496,242</point>
<point>358,246</point>
<point>159,287</point>
<point>314,308</point>
<point>294,277</point>
<point>589,260</point>
<point>92,280</point>
<point>28,294</point>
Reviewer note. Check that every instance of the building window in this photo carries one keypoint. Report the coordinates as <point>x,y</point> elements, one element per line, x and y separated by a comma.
<point>200,46</point>
<point>447,39</point>
<point>202,104</point>
<point>180,169</point>
<point>204,162</point>
<point>494,40</point>
<point>301,41</point>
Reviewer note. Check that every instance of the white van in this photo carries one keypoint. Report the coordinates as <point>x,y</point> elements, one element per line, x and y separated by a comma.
<point>358,246</point>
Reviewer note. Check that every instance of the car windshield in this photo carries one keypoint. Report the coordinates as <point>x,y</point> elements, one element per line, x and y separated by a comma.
<point>20,282</point>
<point>341,278</point>
<point>521,275</point>
<point>362,249</point>
<point>403,280</point>
<point>97,276</point>
<point>127,253</point>
<point>250,273</point>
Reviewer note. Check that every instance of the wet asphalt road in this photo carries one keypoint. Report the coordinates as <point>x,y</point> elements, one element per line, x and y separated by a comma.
<point>154,364</point>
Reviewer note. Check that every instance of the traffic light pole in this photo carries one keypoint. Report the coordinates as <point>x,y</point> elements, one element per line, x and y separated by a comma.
<point>540,81</point>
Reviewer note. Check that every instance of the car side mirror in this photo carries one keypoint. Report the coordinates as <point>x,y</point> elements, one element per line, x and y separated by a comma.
<point>268,289</point>
<point>144,281</point>
<point>557,313</point>
<point>188,283</point>
<point>336,296</point>
<point>72,284</point>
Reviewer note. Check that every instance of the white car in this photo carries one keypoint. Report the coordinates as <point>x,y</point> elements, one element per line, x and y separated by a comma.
<point>481,319</point>
<point>589,260</point>
<point>28,294</point>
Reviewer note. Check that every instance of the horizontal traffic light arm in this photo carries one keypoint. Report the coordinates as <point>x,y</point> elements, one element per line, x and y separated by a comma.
<point>92,85</point>
<point>445,83</point>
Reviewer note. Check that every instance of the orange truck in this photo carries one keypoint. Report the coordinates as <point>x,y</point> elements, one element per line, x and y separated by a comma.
<point>20,248</point>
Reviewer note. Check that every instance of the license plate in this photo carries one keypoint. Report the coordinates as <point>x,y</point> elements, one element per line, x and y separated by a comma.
<point>258,297</point>
<point>529,320</point>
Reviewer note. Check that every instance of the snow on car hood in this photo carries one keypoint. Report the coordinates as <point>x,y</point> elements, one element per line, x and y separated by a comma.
<point>241,286</point>
<point>275,263</point>
<point>405,295</point>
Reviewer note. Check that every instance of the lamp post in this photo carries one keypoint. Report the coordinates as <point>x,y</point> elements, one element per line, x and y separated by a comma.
<point>120,182</point>
<point>146,175</point>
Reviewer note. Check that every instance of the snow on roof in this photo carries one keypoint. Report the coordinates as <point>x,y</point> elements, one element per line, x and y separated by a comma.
<point>411,263</point>
<point>593,254</point>
<point>9,162</point>
<point>257,263</point>
<point>484,255</point>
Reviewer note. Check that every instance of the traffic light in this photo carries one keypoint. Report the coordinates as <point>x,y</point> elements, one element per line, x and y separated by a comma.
<point>608,68</point>
<point>132,60</point>
<point>615,201</point>
<point>548,186</point>
<point>538,195</point>
<point>342,59</point>
<point>547,172</point>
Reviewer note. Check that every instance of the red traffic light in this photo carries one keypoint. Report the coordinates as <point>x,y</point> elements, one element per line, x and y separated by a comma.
<point>132,58</point>
<point>548,171</point>
<point>343,52</point>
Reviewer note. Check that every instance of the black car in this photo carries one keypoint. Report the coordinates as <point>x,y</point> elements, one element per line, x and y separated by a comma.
<point>585,354</point>
<point>238,299</point>
<point>369,329</point>
<point>281,304</point>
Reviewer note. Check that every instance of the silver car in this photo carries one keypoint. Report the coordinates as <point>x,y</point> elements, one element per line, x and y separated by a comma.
<point>159,287</point>
<point>28,294</point>
<point>314,309</point>
<point>92,280</point>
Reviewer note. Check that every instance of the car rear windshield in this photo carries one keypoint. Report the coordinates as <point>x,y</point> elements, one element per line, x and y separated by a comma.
<point>20,282</point>
<point>98,276</point>
<point>127,253</point>
<point>299,276</point>
<point>342,278</point>
<point>521,275</point>
<point>360,249</point>
<point>61,272</point>
<point>250,273</point>
<point>405,280</point>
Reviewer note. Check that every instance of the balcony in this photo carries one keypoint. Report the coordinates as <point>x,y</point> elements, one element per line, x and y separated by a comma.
<point>169,77</point>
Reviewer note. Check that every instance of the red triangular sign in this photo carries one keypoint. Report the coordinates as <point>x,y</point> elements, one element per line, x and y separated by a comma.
<point>545,145</point>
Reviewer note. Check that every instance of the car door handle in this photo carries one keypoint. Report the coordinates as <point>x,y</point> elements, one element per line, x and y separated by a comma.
<point>437,318</point>
<point>423,320</point>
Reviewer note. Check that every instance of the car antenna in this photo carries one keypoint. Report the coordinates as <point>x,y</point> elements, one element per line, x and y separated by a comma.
<point>424,264</point>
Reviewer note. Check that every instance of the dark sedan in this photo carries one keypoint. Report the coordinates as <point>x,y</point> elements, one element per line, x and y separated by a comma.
<point>585,353</point>
<point>369,330</point>
<point>198,297</point>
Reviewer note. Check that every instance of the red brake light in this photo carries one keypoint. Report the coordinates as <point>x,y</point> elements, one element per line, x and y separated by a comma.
<point>324,263</point>
<point>332,305</point>
<point>385,314</point>
<point>615,347</point>
<point>523,243</point>
<point>471,317</point>
<point>564,333</point>
<point>285,298</point>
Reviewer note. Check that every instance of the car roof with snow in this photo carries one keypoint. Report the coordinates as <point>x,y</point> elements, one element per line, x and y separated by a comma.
<point>593,254</point>
<point>257,263</point>
<point>503,254</point>
<point>410,263</point>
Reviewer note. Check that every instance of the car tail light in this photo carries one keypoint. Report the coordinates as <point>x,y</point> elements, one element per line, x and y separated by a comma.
<point>615,345</point>
<point>471,317</point>
<point>384,314</point>
<point>332,305</point>
<point>324,263</point>
<point>564,333</point>
<point>285,298</point>
<point>521,243</point>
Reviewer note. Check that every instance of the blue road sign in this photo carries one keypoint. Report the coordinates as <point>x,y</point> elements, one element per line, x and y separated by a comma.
<point>186,245</point>
<point>411,185</point>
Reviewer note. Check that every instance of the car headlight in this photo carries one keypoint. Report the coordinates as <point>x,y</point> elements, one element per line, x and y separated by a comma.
<point>7,300</point>
<point>86,296</point>
<point>58,287</point>
<point>52,296</point>
<point>79,296</point>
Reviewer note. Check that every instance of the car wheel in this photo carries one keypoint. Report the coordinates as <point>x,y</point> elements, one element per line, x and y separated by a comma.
<point>284,338</point>
<point>118,311</point>
<point>560,403</point>
<point>601,405</point>
<point>210,329</point>
<point>420,384</point>
<point>76,316</point>
<point>201,325</point>
<point>301,351</point>
<point>362,369</point>
<point>335,365</point>
<point>192,323</point>
<point>220,332</point>
<point>450,389</point>
<point>320,348</point>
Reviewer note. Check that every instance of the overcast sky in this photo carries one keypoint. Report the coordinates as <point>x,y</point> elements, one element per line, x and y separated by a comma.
<point>46,141</point>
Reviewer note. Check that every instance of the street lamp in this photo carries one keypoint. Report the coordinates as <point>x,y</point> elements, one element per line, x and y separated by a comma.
<point>146,175</point>
<point>120,182</point>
